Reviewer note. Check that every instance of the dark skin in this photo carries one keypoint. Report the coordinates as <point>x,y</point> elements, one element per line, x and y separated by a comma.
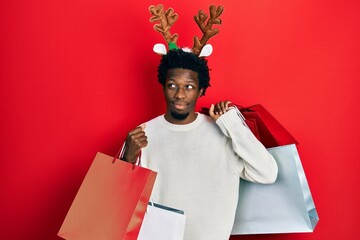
<point>181,91</point>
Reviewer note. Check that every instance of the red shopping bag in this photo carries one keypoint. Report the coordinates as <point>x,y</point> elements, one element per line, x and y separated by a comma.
<point>264,126</point>
<point>271,132</point>
<point>251,123</point>
<point>110,203</point>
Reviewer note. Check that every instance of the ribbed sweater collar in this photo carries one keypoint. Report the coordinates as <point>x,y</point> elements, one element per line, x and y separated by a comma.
<point>186,127</point>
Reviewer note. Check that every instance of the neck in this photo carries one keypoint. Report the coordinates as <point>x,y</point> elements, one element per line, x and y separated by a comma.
<point>189,118</point>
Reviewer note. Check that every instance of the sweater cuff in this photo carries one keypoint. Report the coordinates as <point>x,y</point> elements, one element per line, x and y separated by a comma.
<point>232,118</point>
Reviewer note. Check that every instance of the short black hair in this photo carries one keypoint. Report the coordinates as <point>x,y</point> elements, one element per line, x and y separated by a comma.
<point>177,58</point>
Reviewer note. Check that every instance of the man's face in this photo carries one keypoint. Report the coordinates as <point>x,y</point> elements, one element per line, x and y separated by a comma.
<point>181,92</point>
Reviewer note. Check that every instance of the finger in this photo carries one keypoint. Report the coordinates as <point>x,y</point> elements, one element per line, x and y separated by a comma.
<point>141,141</point>
<point>141,138</point>
<point>139,145</point>
<point>217,108</point>
<point>220,108</point>
<point>227,103</point>
<point>223,107</point>
<point>211,111</point>
<point>144,143</point>
<point>137,135</point>
<point>136,130</point>
<point>137,138</point>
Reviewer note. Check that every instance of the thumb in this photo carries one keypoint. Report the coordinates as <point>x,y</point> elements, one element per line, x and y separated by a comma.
<point>143,126</point>
<point>211,110</point>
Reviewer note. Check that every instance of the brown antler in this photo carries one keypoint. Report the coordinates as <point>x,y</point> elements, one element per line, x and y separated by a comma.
<point>206,28</point>
<point>167,19</point>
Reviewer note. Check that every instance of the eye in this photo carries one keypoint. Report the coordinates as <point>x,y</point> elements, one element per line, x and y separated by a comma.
<point>171,86</point>
<point>190,87</point>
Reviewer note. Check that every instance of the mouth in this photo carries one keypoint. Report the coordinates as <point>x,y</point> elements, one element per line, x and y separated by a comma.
<point>180,105</point>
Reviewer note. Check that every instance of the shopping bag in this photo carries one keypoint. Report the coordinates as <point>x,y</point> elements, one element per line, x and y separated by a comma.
<point>264,126</point>
<point>271,132</point>
<point>162,223</point>
<point>110,203</point>
<point>283,207</point>
<point>250,123</point>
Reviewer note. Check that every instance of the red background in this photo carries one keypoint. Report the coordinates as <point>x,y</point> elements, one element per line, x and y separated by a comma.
<point>77,75</point>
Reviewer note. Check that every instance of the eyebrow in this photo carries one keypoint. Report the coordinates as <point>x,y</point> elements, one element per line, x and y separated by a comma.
<point>171,78</point>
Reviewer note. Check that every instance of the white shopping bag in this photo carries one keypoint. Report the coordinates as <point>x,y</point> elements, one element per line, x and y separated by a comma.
<point>283,207</point>
<point>162,223</point>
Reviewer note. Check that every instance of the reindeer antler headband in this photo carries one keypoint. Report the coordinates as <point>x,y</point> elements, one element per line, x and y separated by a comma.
<point>168,17</point>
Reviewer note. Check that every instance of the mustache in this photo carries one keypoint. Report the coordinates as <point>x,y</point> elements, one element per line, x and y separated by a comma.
<point>180,101</point>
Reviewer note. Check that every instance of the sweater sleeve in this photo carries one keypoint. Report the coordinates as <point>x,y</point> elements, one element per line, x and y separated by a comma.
<point>254,162</point>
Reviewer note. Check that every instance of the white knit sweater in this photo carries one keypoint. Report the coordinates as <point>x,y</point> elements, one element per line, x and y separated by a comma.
<point>199,165</point>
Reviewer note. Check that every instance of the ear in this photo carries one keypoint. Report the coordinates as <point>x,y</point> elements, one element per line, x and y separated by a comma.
<point>200,92</point>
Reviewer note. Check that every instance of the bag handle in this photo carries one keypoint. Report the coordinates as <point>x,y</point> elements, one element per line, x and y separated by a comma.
<point>120,155</point>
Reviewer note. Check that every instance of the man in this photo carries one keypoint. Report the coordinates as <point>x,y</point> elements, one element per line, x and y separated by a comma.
<point>199,159</point>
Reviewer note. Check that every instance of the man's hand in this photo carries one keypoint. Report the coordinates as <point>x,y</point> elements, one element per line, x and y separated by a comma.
<point>218,109</point>
<point>135,141</point>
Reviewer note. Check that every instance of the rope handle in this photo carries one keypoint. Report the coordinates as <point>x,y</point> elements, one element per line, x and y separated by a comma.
<point>120,155</point>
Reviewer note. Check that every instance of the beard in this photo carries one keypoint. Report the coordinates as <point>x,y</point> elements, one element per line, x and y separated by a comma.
<point>179,116</point>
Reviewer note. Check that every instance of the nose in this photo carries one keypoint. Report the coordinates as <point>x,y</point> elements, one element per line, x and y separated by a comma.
<point>180,93</point>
